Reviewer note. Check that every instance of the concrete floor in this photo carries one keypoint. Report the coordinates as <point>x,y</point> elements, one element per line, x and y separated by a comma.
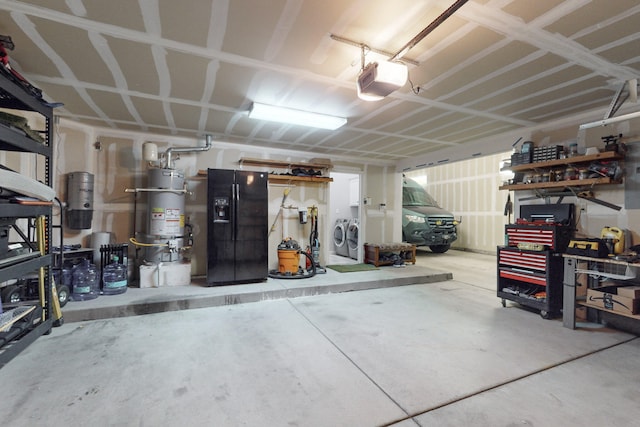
<point>444,353</point>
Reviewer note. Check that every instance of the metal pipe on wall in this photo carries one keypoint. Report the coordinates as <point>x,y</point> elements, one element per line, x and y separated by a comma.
<point>171,150</point>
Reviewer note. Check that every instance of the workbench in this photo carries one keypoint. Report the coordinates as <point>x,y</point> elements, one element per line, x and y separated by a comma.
<point>592,270</point>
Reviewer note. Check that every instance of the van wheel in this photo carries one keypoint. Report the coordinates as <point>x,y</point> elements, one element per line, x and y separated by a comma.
<point>439,249</point>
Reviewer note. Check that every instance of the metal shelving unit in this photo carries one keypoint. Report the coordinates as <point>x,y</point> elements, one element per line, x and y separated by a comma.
<point>17,336</point>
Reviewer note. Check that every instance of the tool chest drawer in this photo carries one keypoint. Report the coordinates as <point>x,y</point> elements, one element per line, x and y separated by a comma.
<point>554,237</point>
<point>524,276</point>
<point>524,259</point>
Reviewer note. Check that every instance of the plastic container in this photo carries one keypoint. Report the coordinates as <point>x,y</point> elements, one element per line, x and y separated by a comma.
<point>67,275</point>
<point>569,174</point>
<point>583,174</point>
<point>114,278</point>
<point>573,150</point>
<point>85,282</point>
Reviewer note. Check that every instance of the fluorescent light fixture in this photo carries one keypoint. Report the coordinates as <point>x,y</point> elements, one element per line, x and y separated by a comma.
<point>295,117</point>
<point>610,120</point>
<point>378,80</point>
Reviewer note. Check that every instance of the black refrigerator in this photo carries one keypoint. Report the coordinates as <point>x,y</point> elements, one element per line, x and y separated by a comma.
<point>237,227</point>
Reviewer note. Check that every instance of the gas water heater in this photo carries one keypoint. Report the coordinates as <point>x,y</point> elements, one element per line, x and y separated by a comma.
<point>165,215</point>
<point>162,244</point>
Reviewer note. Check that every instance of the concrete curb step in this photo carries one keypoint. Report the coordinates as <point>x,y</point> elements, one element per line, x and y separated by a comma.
<point>238,294</point>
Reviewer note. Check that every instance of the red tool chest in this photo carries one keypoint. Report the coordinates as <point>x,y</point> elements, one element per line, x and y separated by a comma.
<point>533,278</point>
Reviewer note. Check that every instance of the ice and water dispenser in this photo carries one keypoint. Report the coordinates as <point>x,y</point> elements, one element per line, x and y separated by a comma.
<point>221,209</point>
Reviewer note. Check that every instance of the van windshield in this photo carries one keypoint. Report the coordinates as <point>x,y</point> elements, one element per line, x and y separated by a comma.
<point>412,196</point>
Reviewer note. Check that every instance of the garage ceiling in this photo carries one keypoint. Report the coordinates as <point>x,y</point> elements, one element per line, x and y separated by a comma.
<point>192,67</point>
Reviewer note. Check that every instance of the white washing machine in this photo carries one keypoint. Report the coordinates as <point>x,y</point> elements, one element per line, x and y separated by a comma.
<point>352,238</point>
<point>340,237</point>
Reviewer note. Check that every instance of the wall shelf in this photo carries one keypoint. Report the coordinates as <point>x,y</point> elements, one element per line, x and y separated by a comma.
<point>605,155</point>
<point>288,166</point>
<point>282,163</point>
<point>631,316</point>
<point>283,179</point>
<point>561,184</point>
<point>571,161</point>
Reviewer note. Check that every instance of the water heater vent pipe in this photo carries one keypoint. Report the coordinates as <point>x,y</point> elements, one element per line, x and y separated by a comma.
<point>171,150</point>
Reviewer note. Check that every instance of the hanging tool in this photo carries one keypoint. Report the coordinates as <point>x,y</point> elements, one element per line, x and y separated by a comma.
<point>586,195</point>
<point>275,221</point>
<point>508,208</point>
<point>314,242</point>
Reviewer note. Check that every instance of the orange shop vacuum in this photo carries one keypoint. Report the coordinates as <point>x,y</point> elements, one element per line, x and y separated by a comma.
<point>289,262</point>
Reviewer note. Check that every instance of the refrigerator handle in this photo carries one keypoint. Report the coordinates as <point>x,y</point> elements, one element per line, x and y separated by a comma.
<point>236,204</point>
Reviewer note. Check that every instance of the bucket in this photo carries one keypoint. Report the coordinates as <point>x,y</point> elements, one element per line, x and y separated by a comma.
<point>288,261</point>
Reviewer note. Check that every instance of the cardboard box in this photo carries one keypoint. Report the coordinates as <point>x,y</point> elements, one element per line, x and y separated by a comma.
<point>629,291</point>
<point>607,297</point>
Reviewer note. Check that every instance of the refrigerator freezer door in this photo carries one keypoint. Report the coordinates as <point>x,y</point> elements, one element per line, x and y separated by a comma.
<point>220,244</point>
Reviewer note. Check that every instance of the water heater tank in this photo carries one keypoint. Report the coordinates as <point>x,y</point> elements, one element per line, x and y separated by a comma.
<point>166,207</point>
<point>165,212</point>
<point>79,200</point>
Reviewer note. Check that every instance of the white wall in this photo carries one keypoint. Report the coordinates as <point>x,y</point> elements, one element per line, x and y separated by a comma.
<point>117,165</point>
